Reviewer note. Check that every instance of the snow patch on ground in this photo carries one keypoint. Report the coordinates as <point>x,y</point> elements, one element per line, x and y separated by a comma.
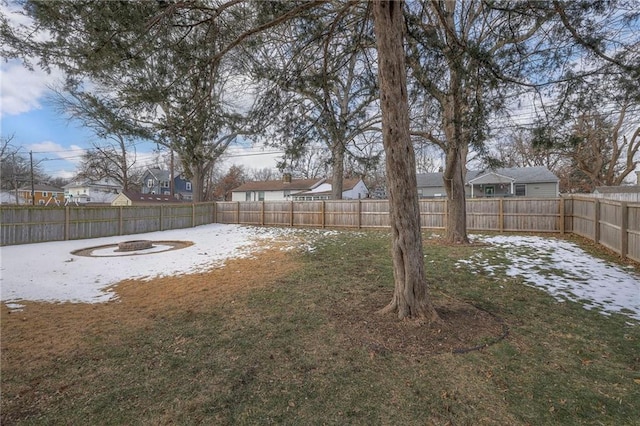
<point>49,272</point>
<point>564,270</point>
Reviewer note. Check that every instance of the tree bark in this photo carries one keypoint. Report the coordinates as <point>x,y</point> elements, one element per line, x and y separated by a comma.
<point>337,157</point>
<point>411,297</point>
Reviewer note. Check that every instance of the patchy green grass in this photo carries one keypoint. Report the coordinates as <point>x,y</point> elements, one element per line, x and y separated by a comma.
<point>290,352</point>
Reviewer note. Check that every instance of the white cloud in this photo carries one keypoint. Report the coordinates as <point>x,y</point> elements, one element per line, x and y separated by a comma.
<point>64,174</point>
<point>252,157</point>
<point>20,89</point>
<point>55,151</point>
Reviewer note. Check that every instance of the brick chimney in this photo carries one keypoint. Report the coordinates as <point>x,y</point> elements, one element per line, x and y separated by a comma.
<point>286,177</point>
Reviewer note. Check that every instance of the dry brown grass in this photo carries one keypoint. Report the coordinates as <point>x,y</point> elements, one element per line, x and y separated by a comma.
<point>43,331</point>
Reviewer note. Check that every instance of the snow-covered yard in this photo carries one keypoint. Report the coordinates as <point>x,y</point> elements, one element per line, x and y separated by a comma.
<point>49,272</point>
<point>564,270</point>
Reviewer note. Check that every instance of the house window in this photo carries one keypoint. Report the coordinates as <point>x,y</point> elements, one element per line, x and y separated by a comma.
<point>247,196</point>
<point>44,193</point>
<point>188,186</point>
<point>261,196</point>
<point>489,191</point>
<point>165,184</point>
<point>521,190</point>
<point>41,202</point>
<point>149,183</point>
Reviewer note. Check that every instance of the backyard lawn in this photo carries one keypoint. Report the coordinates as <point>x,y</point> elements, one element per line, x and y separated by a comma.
<point>290,335</point>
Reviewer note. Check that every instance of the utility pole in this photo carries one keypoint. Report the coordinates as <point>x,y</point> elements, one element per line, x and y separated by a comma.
<point>33,190</point>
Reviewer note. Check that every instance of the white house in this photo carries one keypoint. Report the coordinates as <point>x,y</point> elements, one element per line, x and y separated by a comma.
<point>296,189</point>
<point>83,191</point>
<point>352,189</point>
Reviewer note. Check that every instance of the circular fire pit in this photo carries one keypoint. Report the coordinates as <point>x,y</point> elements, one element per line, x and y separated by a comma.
<point>132,248</point>
<point>135,245</point>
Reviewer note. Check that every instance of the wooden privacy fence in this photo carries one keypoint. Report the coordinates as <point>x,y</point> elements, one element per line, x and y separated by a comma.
<point>614,224</point>
<point>530,215</point>
<point>23,225</point>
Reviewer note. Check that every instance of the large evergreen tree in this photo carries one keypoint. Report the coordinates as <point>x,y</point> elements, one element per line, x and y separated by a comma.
<point>319,85</point>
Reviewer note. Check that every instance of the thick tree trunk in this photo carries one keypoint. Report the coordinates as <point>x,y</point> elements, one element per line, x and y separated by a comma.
<point>456,229</point>
<point>197,183</point>
<point>410,297</point>
<point>456,163</point>
<point>337,170</point>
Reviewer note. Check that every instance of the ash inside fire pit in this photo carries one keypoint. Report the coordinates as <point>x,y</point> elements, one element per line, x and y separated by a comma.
<point>135,245</point>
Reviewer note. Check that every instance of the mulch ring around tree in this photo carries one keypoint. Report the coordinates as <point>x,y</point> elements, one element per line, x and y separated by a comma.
<point>463,328</point>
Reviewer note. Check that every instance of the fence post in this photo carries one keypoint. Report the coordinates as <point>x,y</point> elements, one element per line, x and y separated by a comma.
<point>215,212</point>
<point>262,213</point>
<point>67,231</point>
<point>596,221</point>
<point>291,213</point>
<point>562,218</point>
<point>501,214</point>
<point>120,221</point>
<point>445,218</point>
<point>359,214</point>
<point>322,213</point>
<point>161,217</point>
<point>624,225</point>
<point>237,212</point>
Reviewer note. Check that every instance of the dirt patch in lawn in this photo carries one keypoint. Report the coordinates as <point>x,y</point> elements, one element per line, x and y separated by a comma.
<point>463,327</point>
<point>43,332</point>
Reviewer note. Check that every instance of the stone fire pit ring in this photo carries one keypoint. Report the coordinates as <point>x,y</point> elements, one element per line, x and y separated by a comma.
<point>132,248</point>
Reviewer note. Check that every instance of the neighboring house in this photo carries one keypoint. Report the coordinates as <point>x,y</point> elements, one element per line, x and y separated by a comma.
<point>352,189</point>
<point>158,181</point>
<point>274,190</point>
<point>42,194</point>
<point>132,198</point>
<point>296,189</point>
<point>532,182</point>
<point>83,191</point>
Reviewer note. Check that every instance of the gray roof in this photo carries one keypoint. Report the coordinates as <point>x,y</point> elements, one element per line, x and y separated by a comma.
<point>96,183</point>
<point>159,174</point>
<point>139,198</point>
<point>617,189</point>
<point>41,187</point>
<point>519,174</point>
